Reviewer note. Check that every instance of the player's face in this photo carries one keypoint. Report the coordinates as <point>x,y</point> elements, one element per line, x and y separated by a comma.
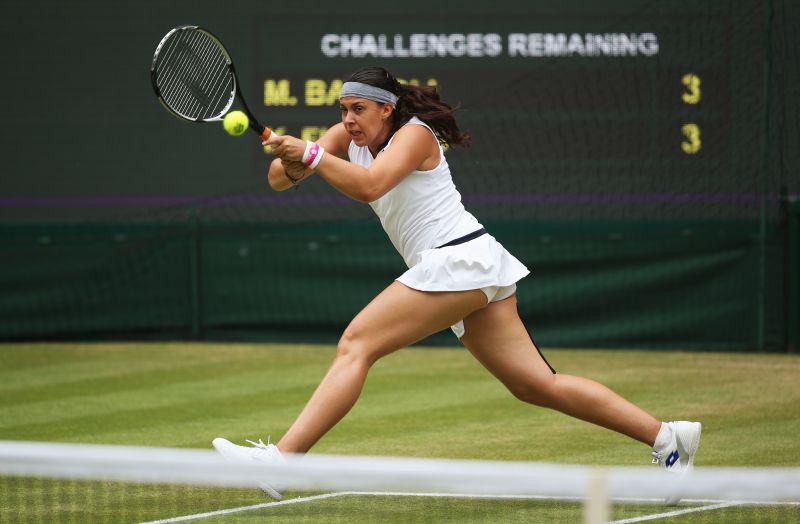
<point>367,121</point>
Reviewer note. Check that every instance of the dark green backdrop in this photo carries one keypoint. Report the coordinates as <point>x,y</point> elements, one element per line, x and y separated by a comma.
<point>119,221</point>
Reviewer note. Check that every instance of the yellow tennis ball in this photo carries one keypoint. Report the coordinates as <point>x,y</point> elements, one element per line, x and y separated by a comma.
<point>236,123</point>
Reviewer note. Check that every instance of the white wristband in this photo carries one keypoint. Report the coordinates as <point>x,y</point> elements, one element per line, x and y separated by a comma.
<point>304,158</point>
<point>313,154</point>
<point>316,161</point>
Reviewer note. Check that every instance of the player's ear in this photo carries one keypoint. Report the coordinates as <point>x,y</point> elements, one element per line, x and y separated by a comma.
<point>386,111</point>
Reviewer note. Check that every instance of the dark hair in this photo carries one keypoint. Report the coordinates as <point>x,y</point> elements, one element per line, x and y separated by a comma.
<point>422,102</point>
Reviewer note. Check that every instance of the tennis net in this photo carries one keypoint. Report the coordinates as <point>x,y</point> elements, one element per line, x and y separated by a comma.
<point>47,482</point>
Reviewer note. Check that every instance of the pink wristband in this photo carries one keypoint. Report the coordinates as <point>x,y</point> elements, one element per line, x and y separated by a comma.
<point>313,151</point>
<point>317,160</point>
<point>313,155</point>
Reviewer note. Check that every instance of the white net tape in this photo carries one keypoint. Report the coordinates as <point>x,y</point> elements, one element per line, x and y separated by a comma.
<point>315,472</point>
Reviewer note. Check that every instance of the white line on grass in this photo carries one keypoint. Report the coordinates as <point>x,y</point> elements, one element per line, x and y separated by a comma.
<point>299,500</point>
<point>717,504</point>
<point>286,502</point>
<point>677,512</point>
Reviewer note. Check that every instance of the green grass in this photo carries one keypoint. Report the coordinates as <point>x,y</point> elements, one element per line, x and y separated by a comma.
<point>418,402</point>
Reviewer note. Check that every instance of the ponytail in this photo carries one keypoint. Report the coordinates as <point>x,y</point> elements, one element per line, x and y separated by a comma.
<point>424,103</point>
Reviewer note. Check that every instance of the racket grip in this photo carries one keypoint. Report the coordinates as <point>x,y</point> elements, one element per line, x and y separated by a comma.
<point>266,134</point>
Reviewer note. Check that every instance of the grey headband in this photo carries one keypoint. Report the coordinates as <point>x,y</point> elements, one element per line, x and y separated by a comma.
<point>369,92</point>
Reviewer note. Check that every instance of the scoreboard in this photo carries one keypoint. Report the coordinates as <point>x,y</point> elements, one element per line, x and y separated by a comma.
<point>577,109</point>
<point>633,107</point>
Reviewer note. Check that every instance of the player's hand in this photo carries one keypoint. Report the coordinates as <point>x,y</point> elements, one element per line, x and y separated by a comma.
<point>273,139</point>
<point>287,147</point>
<point>296,170</point>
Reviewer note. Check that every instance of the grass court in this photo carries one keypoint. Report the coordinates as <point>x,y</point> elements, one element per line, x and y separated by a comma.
<point>418,402</point>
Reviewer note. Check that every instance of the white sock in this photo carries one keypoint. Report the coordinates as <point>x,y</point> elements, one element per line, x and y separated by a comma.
<point>664,437</point>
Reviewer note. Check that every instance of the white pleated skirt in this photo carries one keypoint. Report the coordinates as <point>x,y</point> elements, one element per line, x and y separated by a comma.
<point>479,263</point>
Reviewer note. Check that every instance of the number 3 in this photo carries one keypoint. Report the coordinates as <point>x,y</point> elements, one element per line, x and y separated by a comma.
<point>692,83</point>
<point>692,143</point>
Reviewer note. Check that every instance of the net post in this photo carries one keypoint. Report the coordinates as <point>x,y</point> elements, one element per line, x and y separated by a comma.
<point>597,505</point>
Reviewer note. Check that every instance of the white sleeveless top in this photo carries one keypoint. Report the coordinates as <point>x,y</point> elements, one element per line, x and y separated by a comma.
<point>424,210</point>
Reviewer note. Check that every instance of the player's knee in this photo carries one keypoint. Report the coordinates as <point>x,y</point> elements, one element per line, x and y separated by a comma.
<point>353,348</point>
<point>539,393</point>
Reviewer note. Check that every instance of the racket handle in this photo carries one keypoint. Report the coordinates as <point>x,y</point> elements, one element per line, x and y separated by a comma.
<point>266,134</point>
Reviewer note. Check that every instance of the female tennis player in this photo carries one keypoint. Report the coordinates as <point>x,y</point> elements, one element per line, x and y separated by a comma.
<point>387,152</point>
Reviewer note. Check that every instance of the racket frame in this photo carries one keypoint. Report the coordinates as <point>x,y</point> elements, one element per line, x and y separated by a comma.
<point>236,93</point>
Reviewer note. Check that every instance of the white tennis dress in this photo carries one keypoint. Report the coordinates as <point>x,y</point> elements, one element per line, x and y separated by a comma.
<point>425,211</point>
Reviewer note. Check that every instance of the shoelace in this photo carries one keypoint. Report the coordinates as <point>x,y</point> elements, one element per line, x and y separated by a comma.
<point>259,444</point>
<point>656,457</point>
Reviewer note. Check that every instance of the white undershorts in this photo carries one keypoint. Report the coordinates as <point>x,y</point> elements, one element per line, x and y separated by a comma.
<point>493,294</point>
<point>482,263</point>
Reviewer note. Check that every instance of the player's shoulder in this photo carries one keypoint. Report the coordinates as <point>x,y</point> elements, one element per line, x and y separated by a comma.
<point>415,130</point>
<point>336,140</point>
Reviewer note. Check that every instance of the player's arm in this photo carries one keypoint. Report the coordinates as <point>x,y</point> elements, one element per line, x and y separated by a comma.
<point>335,141</point>
<point>411,147</point>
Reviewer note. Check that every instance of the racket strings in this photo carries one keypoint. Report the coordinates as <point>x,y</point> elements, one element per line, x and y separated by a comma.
<point>193,76</point>
<point>203,66</point>
<point>191,67</point>
<point>208,79</point>
<point>199,63</point>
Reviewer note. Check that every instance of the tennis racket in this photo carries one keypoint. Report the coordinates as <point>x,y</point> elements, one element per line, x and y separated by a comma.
<point>194,78</point>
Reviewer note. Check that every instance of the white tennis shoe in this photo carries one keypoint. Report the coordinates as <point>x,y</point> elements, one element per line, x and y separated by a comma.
<point>259,452</point>
<point>678,455</point>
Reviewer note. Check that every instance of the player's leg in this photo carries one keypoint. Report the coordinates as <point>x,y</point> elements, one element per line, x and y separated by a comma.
<point>499,340</point>
<point>396,318</point>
